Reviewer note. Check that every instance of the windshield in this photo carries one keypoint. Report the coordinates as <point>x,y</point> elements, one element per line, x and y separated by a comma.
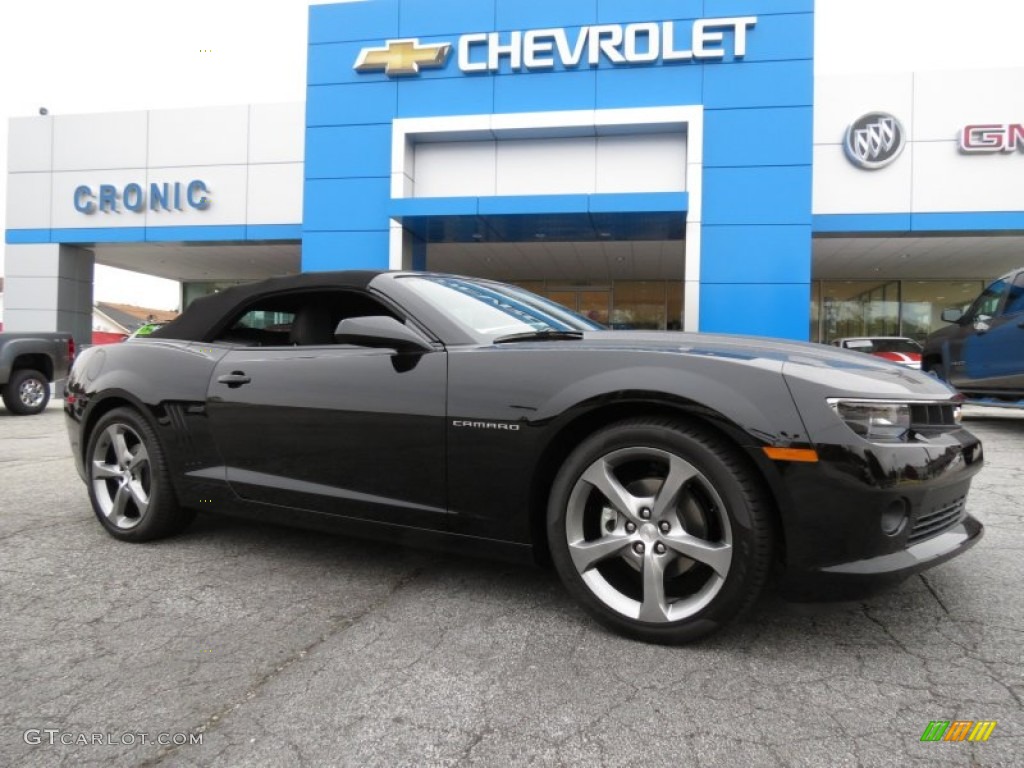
<point>494,309</point>
<point>985,306</point>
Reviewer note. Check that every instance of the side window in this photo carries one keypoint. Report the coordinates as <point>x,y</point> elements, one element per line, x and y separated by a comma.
<point>987,304</point>
<point>1015,299</point>
<point>260,327</point>
<point>303,318</point>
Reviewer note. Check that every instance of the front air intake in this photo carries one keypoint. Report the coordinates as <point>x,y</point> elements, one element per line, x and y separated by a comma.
<point>936,521</point>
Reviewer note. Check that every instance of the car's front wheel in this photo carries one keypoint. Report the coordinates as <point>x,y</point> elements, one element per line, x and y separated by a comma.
<point>27,392</point>
<point>129,484</point>
<point>660,529</point>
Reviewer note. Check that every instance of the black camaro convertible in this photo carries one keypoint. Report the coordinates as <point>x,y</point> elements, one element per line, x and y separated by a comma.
<point>664,474</point>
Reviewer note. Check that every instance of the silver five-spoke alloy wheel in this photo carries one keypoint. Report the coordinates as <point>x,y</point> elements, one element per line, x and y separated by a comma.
<point>648,534</point>
<point>32,392</point>
<point>121,476</point>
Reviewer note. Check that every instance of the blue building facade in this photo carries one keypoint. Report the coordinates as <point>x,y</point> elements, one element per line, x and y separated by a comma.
<point>738,73</point>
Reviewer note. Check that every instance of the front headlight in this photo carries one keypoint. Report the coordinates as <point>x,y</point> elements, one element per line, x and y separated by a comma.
<point>874,420</point>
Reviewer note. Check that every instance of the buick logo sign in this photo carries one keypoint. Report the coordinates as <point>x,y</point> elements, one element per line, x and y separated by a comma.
<point>874,141</point>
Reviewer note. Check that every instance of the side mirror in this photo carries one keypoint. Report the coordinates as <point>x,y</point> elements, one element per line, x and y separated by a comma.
<point>379,331</point>
<point>952,315</point>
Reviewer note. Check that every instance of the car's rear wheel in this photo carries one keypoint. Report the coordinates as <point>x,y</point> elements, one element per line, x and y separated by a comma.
<point>660,529</point>
<point>129,484</point>
<point>27,392</point>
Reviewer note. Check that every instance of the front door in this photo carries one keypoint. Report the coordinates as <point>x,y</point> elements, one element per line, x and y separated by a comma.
<point>970,349</point>
<point>308,423</point>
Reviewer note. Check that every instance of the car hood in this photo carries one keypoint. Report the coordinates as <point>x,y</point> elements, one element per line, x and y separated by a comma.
<point>844,372</point>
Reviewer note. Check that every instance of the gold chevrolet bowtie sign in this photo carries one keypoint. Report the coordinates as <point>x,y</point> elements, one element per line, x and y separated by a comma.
<point>403,57</point>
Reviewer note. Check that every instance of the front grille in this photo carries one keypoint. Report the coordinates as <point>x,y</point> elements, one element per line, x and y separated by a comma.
<point>938,520</point>
<point>923,416</point>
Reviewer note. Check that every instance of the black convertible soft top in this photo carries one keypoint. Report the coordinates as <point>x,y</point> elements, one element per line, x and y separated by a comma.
<point>204,314</point>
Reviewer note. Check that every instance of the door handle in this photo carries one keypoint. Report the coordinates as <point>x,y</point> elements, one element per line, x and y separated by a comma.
<point>234,380</point>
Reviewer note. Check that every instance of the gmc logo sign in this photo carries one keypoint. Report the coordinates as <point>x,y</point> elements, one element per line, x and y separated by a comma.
<point>991,137</point>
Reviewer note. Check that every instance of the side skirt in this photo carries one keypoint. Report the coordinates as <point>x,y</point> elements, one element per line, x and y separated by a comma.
<point>460,544</point>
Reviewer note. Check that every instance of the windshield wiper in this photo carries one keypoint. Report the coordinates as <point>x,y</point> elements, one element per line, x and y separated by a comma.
<point>545,335</point>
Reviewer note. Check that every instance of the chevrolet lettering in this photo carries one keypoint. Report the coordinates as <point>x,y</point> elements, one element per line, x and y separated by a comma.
<point>590,46</point>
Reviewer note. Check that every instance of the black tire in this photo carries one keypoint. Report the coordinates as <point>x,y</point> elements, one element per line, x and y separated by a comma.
<point>724,505</point>
<point>130,487</point>
<point>27,392</point>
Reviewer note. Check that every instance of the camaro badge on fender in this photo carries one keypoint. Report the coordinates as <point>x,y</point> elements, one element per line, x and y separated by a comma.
<point>487,425</point>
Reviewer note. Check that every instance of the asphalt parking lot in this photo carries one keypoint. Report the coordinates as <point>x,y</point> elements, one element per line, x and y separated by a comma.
<point>284,647</point>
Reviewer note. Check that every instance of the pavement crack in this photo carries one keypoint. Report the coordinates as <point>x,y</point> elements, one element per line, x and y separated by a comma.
<point>338,626</point>
<point>885,630</point>
<point>935,594</point>
<point>34,528</point>
<point>479,736</point>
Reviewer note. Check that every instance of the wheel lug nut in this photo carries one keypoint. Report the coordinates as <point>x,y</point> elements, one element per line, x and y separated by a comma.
<point>631,527</point>
<point>645,513</point>
<point>639,547</point>
<point>664,526</point>
<point>659,548</point>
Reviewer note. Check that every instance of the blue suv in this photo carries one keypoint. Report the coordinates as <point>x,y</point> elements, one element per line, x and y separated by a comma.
<point>982,352</point>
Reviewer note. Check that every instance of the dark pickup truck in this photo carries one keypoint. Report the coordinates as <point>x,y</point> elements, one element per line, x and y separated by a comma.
<point>29,363</point>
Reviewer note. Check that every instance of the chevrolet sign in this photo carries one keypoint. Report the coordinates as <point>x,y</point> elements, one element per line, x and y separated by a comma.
<point>402,57</point>
<point>540,49</point>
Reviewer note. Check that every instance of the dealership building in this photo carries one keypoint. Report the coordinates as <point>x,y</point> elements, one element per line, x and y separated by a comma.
<point>667,164</point>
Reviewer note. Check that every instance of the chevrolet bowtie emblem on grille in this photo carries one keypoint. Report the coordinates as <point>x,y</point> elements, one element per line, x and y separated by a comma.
<point>403,57</point>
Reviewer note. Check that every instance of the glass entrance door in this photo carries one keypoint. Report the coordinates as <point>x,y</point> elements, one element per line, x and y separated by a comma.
<point>592,303</point>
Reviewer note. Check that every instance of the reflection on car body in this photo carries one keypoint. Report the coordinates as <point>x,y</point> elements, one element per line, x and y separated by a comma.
<point>896,349</point>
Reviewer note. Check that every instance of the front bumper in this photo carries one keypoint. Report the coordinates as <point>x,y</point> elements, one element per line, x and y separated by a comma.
<point>925,554</point>
<point>868,515</point>
<point>859,578</point>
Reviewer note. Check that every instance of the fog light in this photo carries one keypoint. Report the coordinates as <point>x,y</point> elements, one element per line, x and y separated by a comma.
<point>895,517</point>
